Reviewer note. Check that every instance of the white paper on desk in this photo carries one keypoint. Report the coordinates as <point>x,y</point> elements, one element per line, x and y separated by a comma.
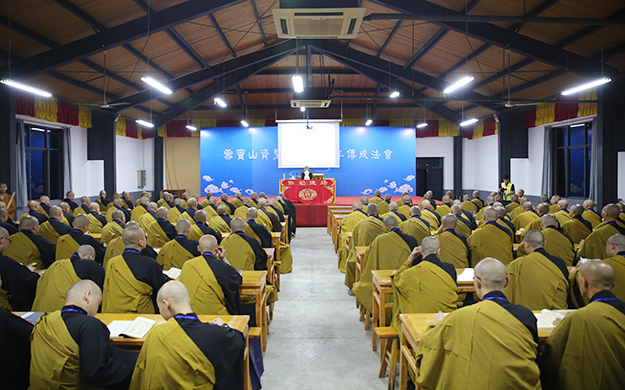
<point>546,317</point>
<point>173,273</point>
<point>466,276</point>
<point>116,327</point>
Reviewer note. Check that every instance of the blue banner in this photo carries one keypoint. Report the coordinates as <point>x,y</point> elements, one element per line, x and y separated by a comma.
<point>246,160</point>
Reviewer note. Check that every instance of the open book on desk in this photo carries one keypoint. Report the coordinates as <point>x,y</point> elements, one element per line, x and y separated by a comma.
<point>173,273</point>
<point>136,329</point>
<point>546,317</point>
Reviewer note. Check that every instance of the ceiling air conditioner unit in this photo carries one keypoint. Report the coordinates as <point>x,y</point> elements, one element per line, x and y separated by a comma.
<point>314,22</point>
<point>312,98</point>
<point>297,103</point>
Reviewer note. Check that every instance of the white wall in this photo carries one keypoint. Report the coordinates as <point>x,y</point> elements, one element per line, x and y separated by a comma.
<point>439,147</point>
<point>620,171</point>
<point>527,173</point>
<point>480,163</point>
<point>133,155</point>
<point>87,176</point>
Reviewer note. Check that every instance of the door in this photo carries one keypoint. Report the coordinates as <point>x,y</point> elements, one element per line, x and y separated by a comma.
<point>430,176</point>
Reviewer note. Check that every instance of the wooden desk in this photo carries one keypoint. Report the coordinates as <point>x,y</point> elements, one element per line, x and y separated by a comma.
<point>382,286</point>
<point>255,284</point>
<point>414,325</point>
<point>348,239</point>
<point>275,242</point>
<point>331,209</point>
<point>360,260</point>
<point>336,222</point>
<point>97,236</point>
<point>283,232</point>
<point>516,246</point>
<point>239,323</point>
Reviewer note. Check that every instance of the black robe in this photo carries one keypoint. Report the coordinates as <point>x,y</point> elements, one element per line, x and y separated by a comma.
<point>105,201</point>
<point>146,270</point>
<point>84,239</point>
<point>168,228</point>
<point>59,226</point>
<point>14,350</point>
<point>123,210</point>
<point>102,363</point>
<point>209,230</point>
<point>88,269</point>
<point>71,203</point>
<point>260,262</point>
<point>9,227</point>
<point>189,245</point>
<point>100,218</point>
<point>40,217</point>
<point>19,282</point>
<point>69,217</point>
<point>47,250</point>
<point>229,280</point>
<point>129,203</point>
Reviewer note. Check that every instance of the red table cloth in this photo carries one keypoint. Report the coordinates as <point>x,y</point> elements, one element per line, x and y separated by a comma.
<point>309,191</point>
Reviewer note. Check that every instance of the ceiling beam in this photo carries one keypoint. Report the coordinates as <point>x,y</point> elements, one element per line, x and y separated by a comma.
<point>221,34</point>
<point>290,90</point>
<point>425,17</point>
<point>388,39</point>
<point>241,101</point>
<point>280,50</point>
<point>375,102</point>
<point>214,89</point>
<point>117,36</point>
<point>497,36</point>
<point>260,25</point>
<point>286,71</point>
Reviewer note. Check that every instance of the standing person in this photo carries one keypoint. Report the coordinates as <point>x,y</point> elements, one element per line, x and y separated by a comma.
<point>6,198</point>
<point>306,174</point>
<point>506,189</point>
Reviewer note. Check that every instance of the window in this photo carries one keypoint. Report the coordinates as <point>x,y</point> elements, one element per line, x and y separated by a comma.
<point>571,154</point>
<point>44,161</point>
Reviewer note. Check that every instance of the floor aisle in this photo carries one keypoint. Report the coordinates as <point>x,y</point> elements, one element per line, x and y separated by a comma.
<point>316,340</point>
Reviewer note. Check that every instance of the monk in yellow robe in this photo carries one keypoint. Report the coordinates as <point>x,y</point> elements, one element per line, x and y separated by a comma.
<point>160,231</point>
<point>140,209</point>
<point>72,349</point>
<point>200,228</point>
<point>175,211</point>
<point>553,207</point>
<point>429,215</point>
<point>491,240</point>
<point>123,291</point>
<point>68,244</point>
<point>220,222</point>
<point>590,214</point>
<point>406,205</point>
<point>115,228</point>
<point>103,202</point>
<point>424,284</point>
<point>593,247</point>
<point>84,206</point>
<point>44,205</point>
<point>97,221</point>
<point>63,274</point>
<point>587,348</point>
<point>562,214</point>
<point>377,198</point>
<point>387,251</point>
<point>416,226</point>
<point>557,243</point>
<point>489,202</point>
<point>33,210</point>
<point>454,248</point>
<point>479,203</point>
<point>577,228</point>
<point>489,345</point>
<point>392,210</point>
<point>445,207</point>
<point>8,201</point>
<point>146,219</point>
<point>527,216</point>
<point>515,213</point>
<point>363,234</point>
<point>383,207</point>
<point>463,225</point>
<point>177,251</point>
<point>28,248</point>
<point>229,206</point>
<point>213,283</point>
<point>514,203</point>
<point>542,209</point>
<point>185,353</point>
<point>468,205</point>
<point>19,288</point>
<point>237,201</point>
<point>191,209</point>
<point>53,228</point>
<point>239,212</point>
<point>116,204</point>
<point>348,223</point>
<point>253,218</point>
<point>539,280</point>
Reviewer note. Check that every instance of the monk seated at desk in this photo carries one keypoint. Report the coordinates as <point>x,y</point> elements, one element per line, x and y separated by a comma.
<point>577,228</point>
<point>224,201</point>
<point>185,353</point>
<point>221,222</point>
<point>117,205</point>
<point>140,209</point>
<point>348,223</point>
<point>424,284</point>
<point>97,220</point>
<point>191,209</point>
<point>28,248</point>
<point>20,282</point>
<point>416,226</point>
<point>161,231</point>
<point>62,274</point>
<point>132,279</point>
<point>491,240</point>
<point>177,251</point>
<point>539,280</point>
<point>72,349</point>
<point>68,244</point>
<point>213,283</point>
<point>4,222</point>
<point>115,228</point>
<point>286,259</point>
<point>454,248</point>
<point>84,206</point>
<point>387,251</point>
<point>33,211</point>
<point>428,213</point>
<point>492,344</point>
<point>201,228</point>
<point>116,247</point>
<point>53,228</point>
<point>528,215</point>
<point>556,242</point>
<point>15,347</point>
<point>587,349</point>
<point>146,219</point>
<point>593,247</point>
<point>363,235</point>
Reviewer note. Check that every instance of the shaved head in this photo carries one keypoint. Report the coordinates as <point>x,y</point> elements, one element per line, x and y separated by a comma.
<point>33,205</point>
<point>117,215</point>
<point>576,210</point>
<point>162,213</point>
<point>3,232</point>
<point>364,199</point>
<point>237,224</point>
<point>542,208</point>
<point>430,245</point>
<point>535,239</point>
<point>55,212</point>
<point>84,251</point>
<point>407,199</point>
<point>183,226</point>
<point>29,223</point>
<point>132,224</point>
<point>548,220</point>
<point>615,245</point>
<point>94,207</point>
<point>415,211</point>
<point>393,206</point>
<point>456,209</point>
<point>390,222</point>
<point>356,206</point>
<point>200,216</point>
<point>133,237</point>
<point>144,200</point>
<point>563,204</point>
<point>527,206</point>
<point>207,243</point>
<point>86,295</point>
<point>372,209</point>
<point>173,298</point>
<point>449,221</point>
<point>490,214</point>
<point>221,209</point>
<point>152,206</point>
<point>192,203</point>
<point>492,274</point>
<point>611,211</point>
<point>252,213</point>
<point>501,211</point>
<point>599,274</point>
<point>589,204</point>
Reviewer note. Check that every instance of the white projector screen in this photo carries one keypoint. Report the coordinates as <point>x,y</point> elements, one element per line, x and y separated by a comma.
<point>313,143</point>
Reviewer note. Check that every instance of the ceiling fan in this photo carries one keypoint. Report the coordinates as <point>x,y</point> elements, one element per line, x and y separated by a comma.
<point>509,103</point>
<point>105,104</point>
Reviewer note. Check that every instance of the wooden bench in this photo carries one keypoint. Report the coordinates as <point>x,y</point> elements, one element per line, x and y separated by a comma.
<point>389,355</point>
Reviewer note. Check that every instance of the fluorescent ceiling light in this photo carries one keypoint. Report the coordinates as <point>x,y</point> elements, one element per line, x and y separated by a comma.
<point>422,125</point>
<point>460,83</point>
<point>468,122</point>
<point>25,87</point>
<point>192,128</point>
<point>298,83</point>
<point>220,102</point>
<point>156,84</point>
<point>394,95</point>
<point>302,109</point>
<point>245,124</point>
<point>144,123</point>
<point>582,87</point>
<point>368,122</point>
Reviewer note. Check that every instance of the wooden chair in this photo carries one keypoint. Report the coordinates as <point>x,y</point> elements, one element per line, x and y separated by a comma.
<point>389,356</point>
